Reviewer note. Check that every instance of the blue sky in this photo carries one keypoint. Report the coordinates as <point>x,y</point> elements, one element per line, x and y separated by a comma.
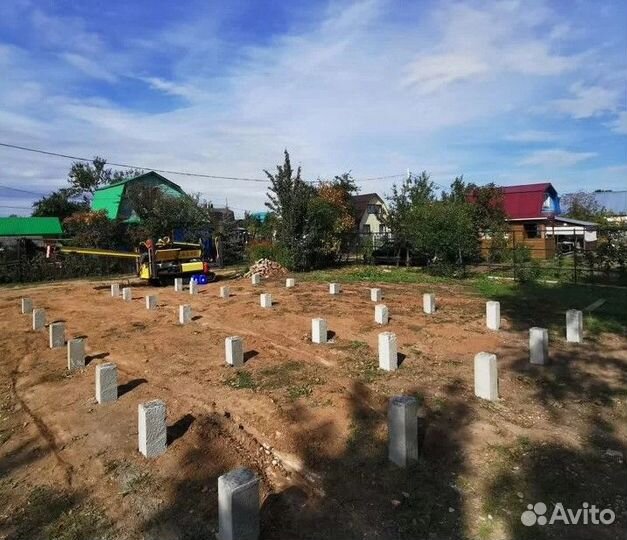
<point>510,91</point>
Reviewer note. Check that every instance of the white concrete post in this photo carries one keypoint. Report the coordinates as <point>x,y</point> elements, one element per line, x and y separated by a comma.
<point>224,292</point>
<point>255,279</point>
<point>27,306</point>
<point>376,295</point>
<point>486,376</point>
<point>39,319</point>
<point>574,326</point>
<point>115,290</point>
<point>185,314</point>
<point>428,303</point>
<point>493,315</point>
<point>106,382</point>
<point>56,334</point>
<point>127,294</point>
<point>234,351</point>
<point>75,354</point>
<point>178,284</point>
<point>238,505</point>
<point>193,287</point>
<point>388,353</point>
<point>152,435</point>
<point>290,282</point>
<point>151,302</point>
<point>335,288</point>
<point>381,314</point>
<point>538,345</point>
<point>318,331</point>
<point>266,300</point>
<point>403,430</point>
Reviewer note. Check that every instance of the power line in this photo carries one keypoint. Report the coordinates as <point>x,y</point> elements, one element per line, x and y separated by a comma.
<point>22,190</point>
<point>166,171</point>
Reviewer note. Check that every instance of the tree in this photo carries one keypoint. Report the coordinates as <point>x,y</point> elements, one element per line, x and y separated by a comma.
<point>87,177</point>
<point>404,207</point>
<point>289,197</point>
<point>58,204</point>
<point>583,206</point>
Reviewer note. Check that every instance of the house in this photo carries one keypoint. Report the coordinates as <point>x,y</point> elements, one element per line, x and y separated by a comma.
<point>28,234</point>
<point>533,214</point>
<point>370,212</point>
<point>219,215</point>
<point>115,201</point>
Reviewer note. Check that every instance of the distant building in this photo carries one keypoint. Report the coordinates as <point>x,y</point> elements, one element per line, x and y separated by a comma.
<point>33,228</point>
<point>370,213</point>
<point>222,214</point>
<point>114,199</point>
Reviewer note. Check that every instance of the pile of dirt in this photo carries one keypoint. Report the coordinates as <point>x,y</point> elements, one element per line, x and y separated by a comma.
<point>267,269</point>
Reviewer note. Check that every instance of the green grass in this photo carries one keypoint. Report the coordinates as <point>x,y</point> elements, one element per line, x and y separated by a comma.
<point>378,274</point>
<point>241,380</point>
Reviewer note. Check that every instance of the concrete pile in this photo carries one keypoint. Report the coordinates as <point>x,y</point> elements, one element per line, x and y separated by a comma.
<point>267,269</point>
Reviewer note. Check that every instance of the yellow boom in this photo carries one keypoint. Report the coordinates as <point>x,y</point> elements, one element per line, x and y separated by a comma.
<point>103,252</point>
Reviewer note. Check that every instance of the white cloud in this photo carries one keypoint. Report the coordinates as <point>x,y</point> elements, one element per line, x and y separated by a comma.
<point>619,124</point>
<point>90,68</point>
<point>532,136</point>
<point>588,101</point>
<point>556,157</point>
<point>171,88</point>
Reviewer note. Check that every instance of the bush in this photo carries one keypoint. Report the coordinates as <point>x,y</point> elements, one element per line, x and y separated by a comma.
<point>264,249</point>
<point>526,269</point>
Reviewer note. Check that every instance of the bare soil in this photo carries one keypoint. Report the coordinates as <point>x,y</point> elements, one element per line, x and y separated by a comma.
<point>309,419</point>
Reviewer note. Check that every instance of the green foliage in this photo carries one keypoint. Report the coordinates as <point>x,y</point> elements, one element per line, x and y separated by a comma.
<point>584,206</point>
<point>96,230</point>
<point>526,268</point>
<point>59,204</point>
<point>87,177</point>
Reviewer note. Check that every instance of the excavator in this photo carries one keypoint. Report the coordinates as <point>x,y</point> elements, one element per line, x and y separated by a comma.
<point>158,262</point>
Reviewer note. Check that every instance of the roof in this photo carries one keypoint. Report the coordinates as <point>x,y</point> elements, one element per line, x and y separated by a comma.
<point>30,226</point>
<point>109,198</point>
<point>612,201</point>
<point>527,200</point>
<point>361,202</point>
<point>572,221</point>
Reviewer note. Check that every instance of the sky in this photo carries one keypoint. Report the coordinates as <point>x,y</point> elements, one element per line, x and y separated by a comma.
<point>512,91</point>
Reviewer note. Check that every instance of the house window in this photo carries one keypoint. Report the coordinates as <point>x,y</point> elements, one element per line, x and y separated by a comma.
<point>531,230</point>
<point>373,209</point>
<point>365,229</point>
<point>383,229</point>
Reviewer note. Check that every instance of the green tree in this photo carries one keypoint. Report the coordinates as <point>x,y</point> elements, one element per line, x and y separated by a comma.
<point>289,198</point>
<point>87,177</point>
<point>584,206</point>
<point>59,204</point>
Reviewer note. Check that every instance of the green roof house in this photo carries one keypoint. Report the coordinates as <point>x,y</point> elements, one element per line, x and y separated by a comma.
<point>114,200</point>
<point>30,227</point>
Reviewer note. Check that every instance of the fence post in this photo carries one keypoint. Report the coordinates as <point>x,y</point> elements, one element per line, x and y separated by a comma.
<point>575,262</point>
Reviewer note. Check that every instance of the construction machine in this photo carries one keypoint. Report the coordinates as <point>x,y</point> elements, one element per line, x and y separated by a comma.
<point>159,262</point>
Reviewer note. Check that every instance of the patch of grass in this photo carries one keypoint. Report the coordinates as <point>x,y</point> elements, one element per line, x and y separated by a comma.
<point>379,274</point>
<point>299,391</point>
<point>280,375</point>
<point>242,379</point>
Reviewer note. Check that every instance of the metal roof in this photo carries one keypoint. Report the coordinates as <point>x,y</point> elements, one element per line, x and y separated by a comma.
<point>30,226</point>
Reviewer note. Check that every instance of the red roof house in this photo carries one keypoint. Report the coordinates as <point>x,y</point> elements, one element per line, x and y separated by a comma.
<point>530,201</point>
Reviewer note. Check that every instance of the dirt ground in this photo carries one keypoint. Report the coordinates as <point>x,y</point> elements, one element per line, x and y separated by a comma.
<point>309,419</point>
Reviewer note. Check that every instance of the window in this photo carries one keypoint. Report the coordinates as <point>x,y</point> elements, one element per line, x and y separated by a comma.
<point>531,230</point>
<point>365,229</point>
<point>373,209</point>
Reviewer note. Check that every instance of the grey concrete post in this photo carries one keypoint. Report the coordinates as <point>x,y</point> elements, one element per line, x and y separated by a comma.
<point>486,376</point>
<point>238,505</point>
<point>127,294</point>
<point>266,300</point>
<point>115,290</point>
<point>152,435</point>
<point>39,319</point>
<point>538,345</point>
<point>106,382</point>
<point>574,326</point>
<point>178,284</point>
<point>75,354</point>
<point>290,282</point>
<point>255,279</point>
<point>56,334</point>
<point>335,288</point>
<point>428,303</point>
<point>493,315</point>
<point>193,287</point>
<point>318,331</point>
<point>185,314</point>
<point>388,352</point>
<point>376,295</point>
<point>403,430</point>
<point>224,292</point>
<point>234,351</point>
<point>27,306</point>
<point>151,302</point>
<point>381,314</point>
